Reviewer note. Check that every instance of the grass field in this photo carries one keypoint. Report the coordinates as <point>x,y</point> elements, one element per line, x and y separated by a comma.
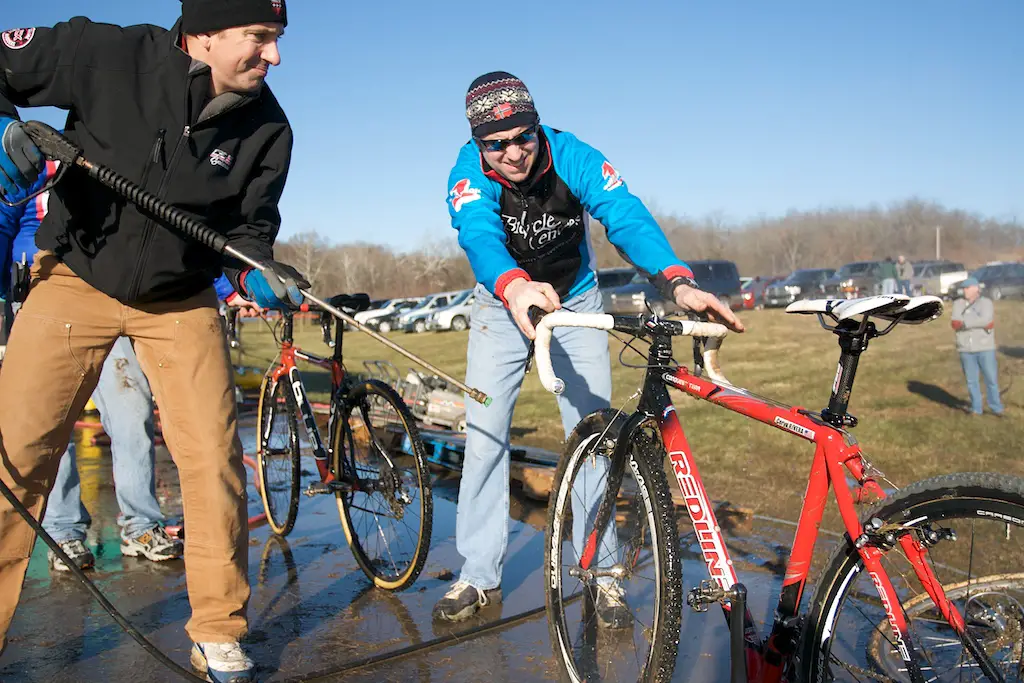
<point>910,397</point>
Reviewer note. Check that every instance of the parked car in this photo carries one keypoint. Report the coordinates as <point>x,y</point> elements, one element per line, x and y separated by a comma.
<point>384,320</point>
<point>415,319</point>
<point>455,316</point>
<point>859,278</point>
<point>806,283</point>
<point>998,281</point>
<point>721,278</point>
<point>382,309</point>
<point>936,277</point>
<point>612,278</point>
<point>753,290</point>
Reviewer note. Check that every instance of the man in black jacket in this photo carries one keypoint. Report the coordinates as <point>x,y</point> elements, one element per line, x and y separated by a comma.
<point>185,114</point>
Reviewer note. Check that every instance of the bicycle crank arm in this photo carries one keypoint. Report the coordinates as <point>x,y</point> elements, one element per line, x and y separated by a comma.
<point>55,146</point>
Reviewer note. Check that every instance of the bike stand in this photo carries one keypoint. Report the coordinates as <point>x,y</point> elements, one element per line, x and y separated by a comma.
<point>737,646</point>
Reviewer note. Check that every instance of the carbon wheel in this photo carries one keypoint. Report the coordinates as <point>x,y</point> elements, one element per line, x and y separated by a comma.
<point>387,511</point>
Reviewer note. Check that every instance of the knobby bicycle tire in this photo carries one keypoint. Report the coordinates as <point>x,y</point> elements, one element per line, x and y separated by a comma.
<point>403,436</point>
<point>645,466</point>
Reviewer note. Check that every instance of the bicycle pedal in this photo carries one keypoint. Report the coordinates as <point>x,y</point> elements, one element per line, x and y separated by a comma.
<point>317,488</point>
<point>701,597</point>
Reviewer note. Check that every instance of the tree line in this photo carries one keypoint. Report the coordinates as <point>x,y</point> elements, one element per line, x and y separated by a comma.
<point>763,246</point>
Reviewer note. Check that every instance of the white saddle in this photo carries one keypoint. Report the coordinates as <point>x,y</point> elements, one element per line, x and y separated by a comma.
<point>898,307</point>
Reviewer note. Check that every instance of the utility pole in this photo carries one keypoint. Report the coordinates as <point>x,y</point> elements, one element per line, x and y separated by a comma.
<point>938,242</point>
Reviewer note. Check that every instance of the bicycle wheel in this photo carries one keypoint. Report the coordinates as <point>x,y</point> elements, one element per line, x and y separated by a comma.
<point>638,559</point>
<point>387,508</point>
<point>848,636</point>
<point>278,454</point>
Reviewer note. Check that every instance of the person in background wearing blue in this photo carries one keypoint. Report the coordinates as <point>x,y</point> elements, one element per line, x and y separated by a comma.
<point>125,404</point>
<point>521,195</point>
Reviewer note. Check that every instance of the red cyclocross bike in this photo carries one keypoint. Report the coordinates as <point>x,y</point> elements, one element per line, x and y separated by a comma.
<point>375,465</point>
<point>928,585</point>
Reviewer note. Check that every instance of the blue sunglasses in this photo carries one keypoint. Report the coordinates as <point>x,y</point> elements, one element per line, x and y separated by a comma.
<point>524,138</point>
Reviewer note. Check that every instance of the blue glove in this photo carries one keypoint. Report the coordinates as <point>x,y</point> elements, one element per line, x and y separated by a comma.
<point>21,162</point>
<point>276,287</point>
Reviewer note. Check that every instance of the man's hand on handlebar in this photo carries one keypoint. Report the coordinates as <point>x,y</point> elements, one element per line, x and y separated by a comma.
<point>699,301</point>
<point>521,294</point>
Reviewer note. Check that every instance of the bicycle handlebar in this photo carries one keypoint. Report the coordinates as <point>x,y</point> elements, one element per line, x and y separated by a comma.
<point>714,333</point>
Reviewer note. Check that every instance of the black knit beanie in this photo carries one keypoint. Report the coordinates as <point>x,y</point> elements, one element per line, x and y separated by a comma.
<point>208,16</point>
<point>498,101</point>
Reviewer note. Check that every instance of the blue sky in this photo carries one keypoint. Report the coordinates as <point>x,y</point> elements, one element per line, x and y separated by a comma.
<point>743,108</point>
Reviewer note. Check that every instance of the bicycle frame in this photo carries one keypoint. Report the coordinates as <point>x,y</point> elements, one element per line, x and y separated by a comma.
<point>836,452</point>
<point>287,367</point>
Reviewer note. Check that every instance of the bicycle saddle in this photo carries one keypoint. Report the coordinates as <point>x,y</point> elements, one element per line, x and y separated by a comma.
<point>351,302</point>
<point>898,307</point>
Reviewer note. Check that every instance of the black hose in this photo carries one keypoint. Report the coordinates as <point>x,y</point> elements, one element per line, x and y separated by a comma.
<point>149,202</point>
<point>91,587</point>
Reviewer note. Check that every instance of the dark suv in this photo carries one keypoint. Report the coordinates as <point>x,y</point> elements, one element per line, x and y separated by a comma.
<point>721,278</point>
<point>859,278</point>
<point>997,280</point>
<point>806,283</point>
<point>609,279</point>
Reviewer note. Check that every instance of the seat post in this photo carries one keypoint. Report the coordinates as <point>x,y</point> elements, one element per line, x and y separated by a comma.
<point>853,340</point>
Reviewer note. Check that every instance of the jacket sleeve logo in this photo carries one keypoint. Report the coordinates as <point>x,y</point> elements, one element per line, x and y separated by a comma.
<point>463,193</point>
<point>611,177</point>
<point>18,38</point>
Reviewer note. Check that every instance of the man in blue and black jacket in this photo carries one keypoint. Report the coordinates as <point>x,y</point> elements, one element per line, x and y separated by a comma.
<point>521,196</point>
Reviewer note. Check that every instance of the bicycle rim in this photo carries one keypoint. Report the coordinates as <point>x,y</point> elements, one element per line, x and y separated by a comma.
<point>642,548</point>
<point>278,455</point>
<point>980,572</point>
<point>388,515</point>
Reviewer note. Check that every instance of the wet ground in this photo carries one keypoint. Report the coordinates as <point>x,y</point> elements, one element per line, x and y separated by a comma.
<point>313,614</point>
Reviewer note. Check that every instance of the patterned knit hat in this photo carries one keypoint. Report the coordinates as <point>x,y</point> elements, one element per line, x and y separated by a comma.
<point>209,16</point>
<point>498,101</point>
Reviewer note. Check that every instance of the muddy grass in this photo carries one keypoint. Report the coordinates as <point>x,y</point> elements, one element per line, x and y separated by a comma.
<point>910,398</point>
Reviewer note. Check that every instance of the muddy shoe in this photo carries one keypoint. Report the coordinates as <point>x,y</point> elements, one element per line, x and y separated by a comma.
<point>223,662</point>
<point>78,553</point>
<point>612,610</point>
<point>463,601</point>
<point>154,545</point>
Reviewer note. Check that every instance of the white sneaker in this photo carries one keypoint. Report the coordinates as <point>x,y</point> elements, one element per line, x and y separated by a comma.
<point>223,662</point>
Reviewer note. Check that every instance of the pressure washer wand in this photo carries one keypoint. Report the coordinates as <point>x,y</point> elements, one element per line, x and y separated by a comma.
<point>55,146</point>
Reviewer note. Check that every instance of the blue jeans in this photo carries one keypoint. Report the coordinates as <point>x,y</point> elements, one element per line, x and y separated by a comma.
<point>125,403</point>
<point>496,364</point>
<point>985,361</point>
<point>904,287</point>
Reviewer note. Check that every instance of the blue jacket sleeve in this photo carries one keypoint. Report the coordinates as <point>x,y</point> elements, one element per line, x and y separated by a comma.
<point>18,226</point>
<point>10,217</point>
<point>474,204</point>
<point>223,287</point>
<point>603,193</point>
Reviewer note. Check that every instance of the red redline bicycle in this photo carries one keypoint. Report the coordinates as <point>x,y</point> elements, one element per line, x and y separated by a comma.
<point>927,586</point>
<point>375,465</point>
